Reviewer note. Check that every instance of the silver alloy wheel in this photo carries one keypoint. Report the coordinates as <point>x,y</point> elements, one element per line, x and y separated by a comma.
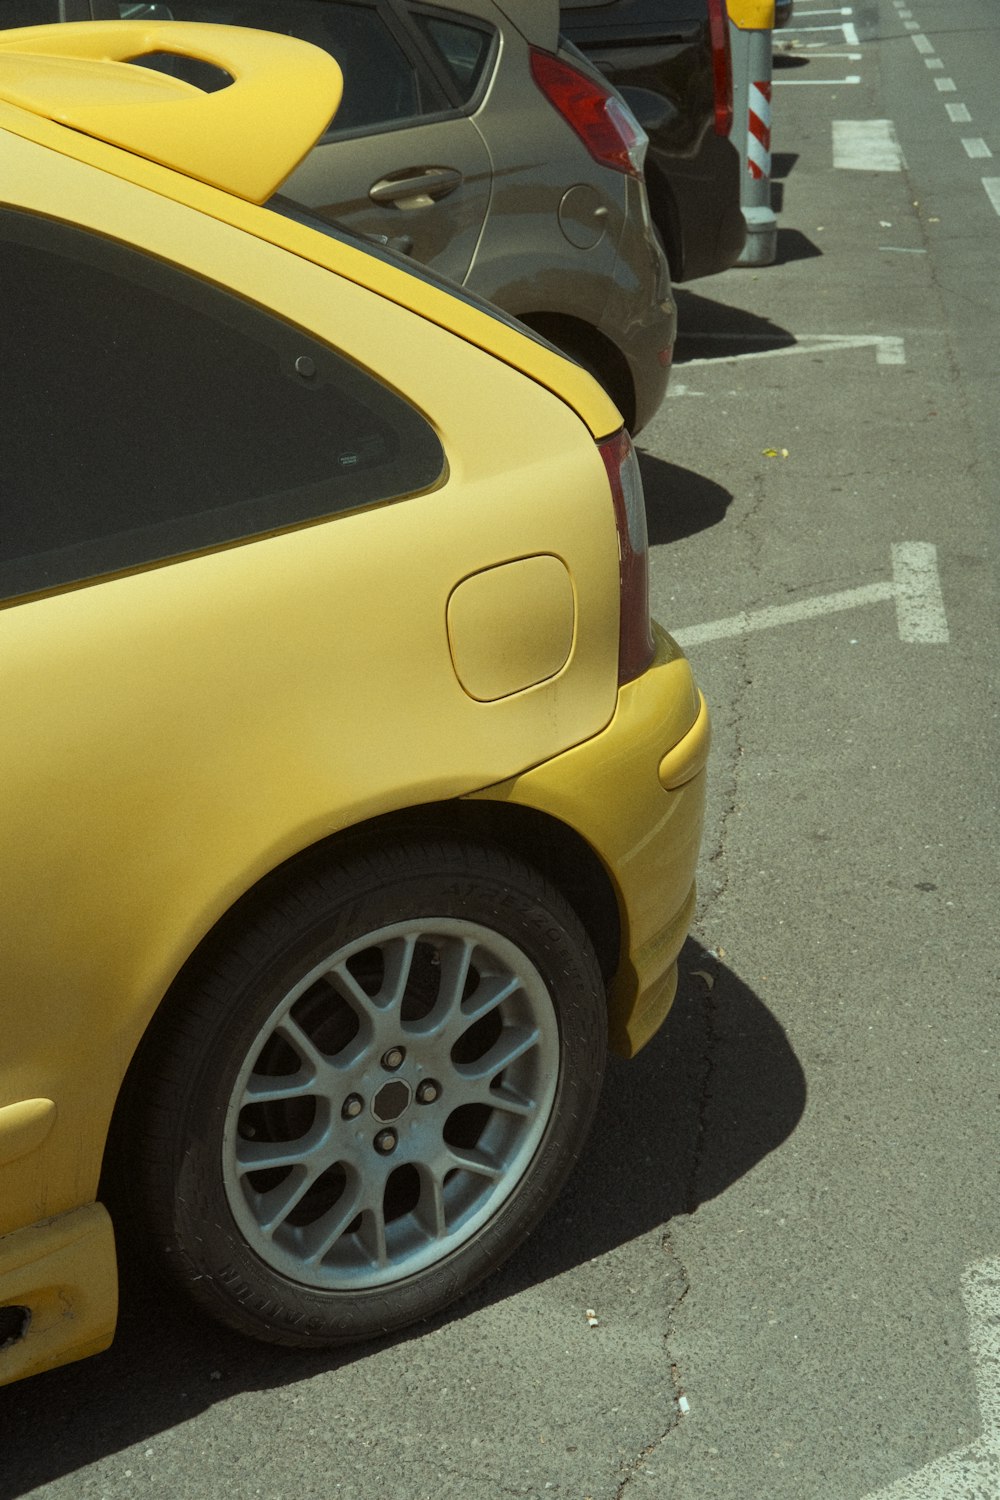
<point>391,1104</point>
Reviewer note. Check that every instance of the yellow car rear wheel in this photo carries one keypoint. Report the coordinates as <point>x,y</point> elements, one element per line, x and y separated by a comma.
<point>363,1102</point>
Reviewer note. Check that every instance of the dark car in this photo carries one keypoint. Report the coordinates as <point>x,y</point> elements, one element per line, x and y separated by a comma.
<point>671,61</point>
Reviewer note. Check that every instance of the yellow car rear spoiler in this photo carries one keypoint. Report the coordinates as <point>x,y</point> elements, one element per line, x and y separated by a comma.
<point>79,75</point>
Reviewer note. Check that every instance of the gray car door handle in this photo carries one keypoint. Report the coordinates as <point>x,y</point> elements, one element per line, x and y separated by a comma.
<point>417,187</point>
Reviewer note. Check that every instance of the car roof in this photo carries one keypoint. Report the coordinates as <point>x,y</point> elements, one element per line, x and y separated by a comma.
<point>79,75</point>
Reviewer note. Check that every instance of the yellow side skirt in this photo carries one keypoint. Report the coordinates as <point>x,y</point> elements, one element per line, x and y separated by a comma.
<point>58,1291</point>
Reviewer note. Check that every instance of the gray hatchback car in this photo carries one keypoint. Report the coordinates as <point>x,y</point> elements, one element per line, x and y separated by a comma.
<point>473,140</point>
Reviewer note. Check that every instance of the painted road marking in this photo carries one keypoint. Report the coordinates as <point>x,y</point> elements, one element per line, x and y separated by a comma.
<point>889,348</point>
<point>992,186</point>
<point>922,44</point>
<point>915,587</point>
<point>945,85</point>
<point>812,83</point>
<point>976,147</point>
<point>847,31</point>
<point>933,62</point>
<point>975,1469</point>
<point>866,146</point>
<point>958,114</point>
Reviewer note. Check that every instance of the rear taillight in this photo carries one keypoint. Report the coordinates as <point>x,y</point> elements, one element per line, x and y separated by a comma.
<point>635,639</point>
<point>606,126</point>
<point>722,65</point>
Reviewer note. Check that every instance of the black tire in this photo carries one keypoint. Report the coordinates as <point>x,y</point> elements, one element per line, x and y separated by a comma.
<point>306,1185</point>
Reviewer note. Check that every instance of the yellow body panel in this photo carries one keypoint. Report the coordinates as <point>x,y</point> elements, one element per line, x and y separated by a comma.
<point>174,733</point>
<point>78,76</point>
<point>647,834</point>
<point>64,1272</point>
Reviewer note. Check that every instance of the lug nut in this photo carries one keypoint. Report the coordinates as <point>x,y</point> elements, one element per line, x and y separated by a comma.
<point>385,1141</point>
<point>352,1107</point>
<point>393,1059</point>
<point>428,1091</point>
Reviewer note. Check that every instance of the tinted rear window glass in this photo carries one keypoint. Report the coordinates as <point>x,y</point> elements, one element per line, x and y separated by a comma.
<point>148,414</point>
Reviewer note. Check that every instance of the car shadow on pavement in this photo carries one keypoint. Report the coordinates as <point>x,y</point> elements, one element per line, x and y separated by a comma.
<point>679,502</point>
<point>715,1091</point>
<point>711,330</point>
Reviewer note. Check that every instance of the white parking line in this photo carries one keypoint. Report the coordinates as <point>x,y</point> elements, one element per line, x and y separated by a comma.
<point>866,146</point>
<point>975,1469</point>
<point>815,82</point>
<point>920,612</point>
<point>915,587</point>
<point>847,30</point>
<point>890,349</point>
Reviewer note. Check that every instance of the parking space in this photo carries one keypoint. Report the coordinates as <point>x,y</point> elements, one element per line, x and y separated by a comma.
<point>848,875</point>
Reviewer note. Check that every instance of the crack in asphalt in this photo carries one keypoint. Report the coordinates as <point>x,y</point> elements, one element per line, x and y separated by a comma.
<point>640,1465</point>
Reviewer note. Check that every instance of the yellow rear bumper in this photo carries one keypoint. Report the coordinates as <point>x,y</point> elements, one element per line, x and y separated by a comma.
<point>636,793</point>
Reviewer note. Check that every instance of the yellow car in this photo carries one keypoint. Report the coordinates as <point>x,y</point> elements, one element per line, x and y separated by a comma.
<point>351,801</point>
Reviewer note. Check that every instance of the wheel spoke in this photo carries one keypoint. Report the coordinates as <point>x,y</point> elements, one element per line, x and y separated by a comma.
<point>272,1208</point>
<point>512,1043</point>
<point>319,1238</point>
<point>289,1030</point>
<point>491,991</point>
<point>480,1162</point>
<point>371,1234</point>
<point>263,1156</point>
<point>261,1089</point>
<point>430,1211</point>
<point>501,1096</point>
<point>397,960</point>
<point>456,960</point>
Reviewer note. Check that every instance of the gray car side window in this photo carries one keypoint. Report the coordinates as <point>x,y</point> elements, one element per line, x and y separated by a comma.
<point>463,47</point>
<point>382,83</point>
<point>148,414</point>
<point>41,12</point>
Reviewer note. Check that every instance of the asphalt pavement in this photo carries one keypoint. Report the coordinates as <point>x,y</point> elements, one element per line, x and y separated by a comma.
<point>776,1274</point>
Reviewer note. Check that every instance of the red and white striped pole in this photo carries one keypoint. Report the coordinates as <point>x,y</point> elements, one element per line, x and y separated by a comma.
<point>759,129</point>
<point>751,23</point>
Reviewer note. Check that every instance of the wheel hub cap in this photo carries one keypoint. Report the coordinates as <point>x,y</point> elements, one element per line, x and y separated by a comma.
<point>391,1100</point>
